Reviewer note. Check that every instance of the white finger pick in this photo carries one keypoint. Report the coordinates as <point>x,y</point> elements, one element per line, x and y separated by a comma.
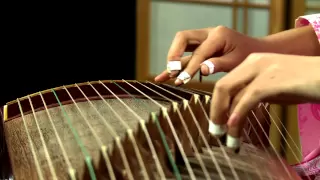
<point>216,129</point>
<point>184,77</point>
<point>210,65</point>
<point>233,142</point>
<point>173,66</point>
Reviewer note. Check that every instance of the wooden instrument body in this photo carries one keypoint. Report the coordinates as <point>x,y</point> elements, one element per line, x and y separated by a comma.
<point>80,122</point>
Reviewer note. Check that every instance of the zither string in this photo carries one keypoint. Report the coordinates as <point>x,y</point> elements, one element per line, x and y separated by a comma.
<point>142,122</point>
<point>52,170</point>
<point>197,154</point>
<point>38,168</point>
<point>244,130</point>
<point>266,135</point>
<point>284,138</point>
<point>189,109</point>
<point>256,164</point>
<point>218,140</point>
<point>74,102</point>
<point>288,134</point>
<point>85,152</point>
<point>278,156</point>
<point>64,153</point>
<point>177,173</point>
<point>175,136</point>
<point>114,134</point>
<point>97,138</point>
<point>272,146</point>
<point>214,160</point>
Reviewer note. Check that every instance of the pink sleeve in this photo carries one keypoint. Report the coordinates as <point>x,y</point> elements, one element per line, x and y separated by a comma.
<point>309,118</point>
<point>313,19</point>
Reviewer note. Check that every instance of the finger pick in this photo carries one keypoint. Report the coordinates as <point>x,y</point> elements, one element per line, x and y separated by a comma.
<point>216,129</point>
<point>183,77</point>
<point>233,143</point>
<point>210,66</point>
<point>173,66</point>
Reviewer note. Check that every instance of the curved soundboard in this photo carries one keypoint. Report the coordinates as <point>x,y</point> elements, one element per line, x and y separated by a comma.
<point>123,130</point>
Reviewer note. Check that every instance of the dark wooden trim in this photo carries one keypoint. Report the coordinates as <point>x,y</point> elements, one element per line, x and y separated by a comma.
<point>142,41</point>
<point>245,18</point>
<point>298,8</point>
<point>234,15</point>
<point>277,16</point>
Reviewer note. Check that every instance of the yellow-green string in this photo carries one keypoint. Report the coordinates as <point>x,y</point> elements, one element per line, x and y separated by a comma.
<point>88,159</point>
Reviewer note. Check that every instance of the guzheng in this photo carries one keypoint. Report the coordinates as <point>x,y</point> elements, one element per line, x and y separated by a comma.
<point>128,130</point>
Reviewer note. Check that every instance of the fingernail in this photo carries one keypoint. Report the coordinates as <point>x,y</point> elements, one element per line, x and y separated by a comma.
<point>173,66</point>
<point>178,82</point>
<point>216,129</point>
<point>233,142</point>
<point>233,119</point>
<point>184,77</point>
<point>210,65</point>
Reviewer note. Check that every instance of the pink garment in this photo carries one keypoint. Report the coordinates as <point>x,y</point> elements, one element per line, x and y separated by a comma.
<point>309,120</point>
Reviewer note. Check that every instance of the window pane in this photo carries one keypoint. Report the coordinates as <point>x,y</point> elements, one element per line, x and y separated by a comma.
<point>240,20</point>
<point>312,3</point>
<point>258,20</point>
<point>167,18</point>
<point>311,12</point>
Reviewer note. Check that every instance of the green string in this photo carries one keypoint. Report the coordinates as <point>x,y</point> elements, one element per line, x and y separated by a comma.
<point>163,137</point>
<point>74,131</point>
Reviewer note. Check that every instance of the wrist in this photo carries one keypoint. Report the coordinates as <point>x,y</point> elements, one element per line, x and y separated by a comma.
<point>298,41</point>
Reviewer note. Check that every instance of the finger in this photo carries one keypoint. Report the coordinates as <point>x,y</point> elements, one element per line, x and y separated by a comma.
<point>165,75</point>
<point>211,66</point>
<point>225,89</point>
<point>180,44</point>
<point>204,51</point>
<point>207,67</point>
<point>192,46</point>
<point>236,98</point>
<point>211,46</point>
<point>217,64</point>
<point>247,102</point>
<point>234,132</point>
<point>183,39</point>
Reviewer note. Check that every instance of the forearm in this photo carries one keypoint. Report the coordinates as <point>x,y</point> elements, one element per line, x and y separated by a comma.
<point>298,41</point>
